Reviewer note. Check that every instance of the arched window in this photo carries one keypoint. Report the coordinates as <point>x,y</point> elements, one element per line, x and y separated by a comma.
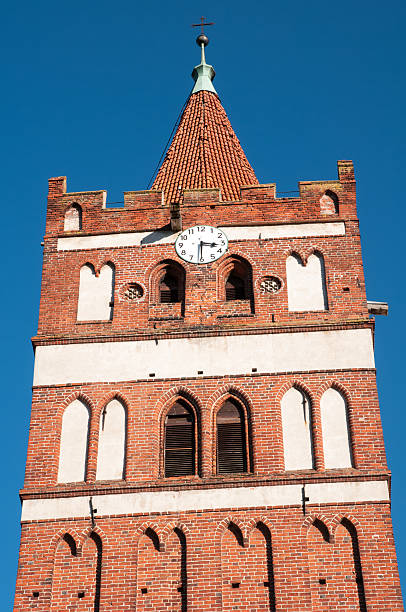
<point>231,439</point>
<point>297,430</point>
<point>73,219</point>
<point>335,430</point>
<point>306,283</point>
<point>112,439</point>
<point>180,440</point>
<point>96,293</point>
<point>73,445</point>
<point>238,280</point>
<point>167,284</point>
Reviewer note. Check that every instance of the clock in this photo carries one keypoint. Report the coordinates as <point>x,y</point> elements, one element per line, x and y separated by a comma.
<point>201,244</point>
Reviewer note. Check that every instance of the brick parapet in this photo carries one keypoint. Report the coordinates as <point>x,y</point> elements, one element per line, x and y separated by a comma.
<point>145,210</point>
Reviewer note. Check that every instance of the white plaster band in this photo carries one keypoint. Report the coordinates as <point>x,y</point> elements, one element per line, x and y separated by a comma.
<point>297,230</point>
<point>251,232</point>
<point>213,356</point>
<point>204,499</point>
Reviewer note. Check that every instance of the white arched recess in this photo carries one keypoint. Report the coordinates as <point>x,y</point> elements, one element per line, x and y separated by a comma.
<point>306,283</point>
<point>73,447</point>
<point>335,430</point>
<point>73,219</point>
<point>296,428</point>
<point>112,439</point>
<point>96,293</point>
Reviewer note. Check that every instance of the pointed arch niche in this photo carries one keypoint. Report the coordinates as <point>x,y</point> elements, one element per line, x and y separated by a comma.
<point>335,430</point>
<point>112,442</point>
<point>96,293</point>
<point>73,443</point>
<point>306,283</point>
<point>349,577</point>
<point>233,560</point>
<point>247,570</point>
<point>322,566</point>
<point>64,573</point>
<point>297,430</point>
<point>150,571</point>
<point>77,577</point>
<point>335,567</point>
<point>161,572</point>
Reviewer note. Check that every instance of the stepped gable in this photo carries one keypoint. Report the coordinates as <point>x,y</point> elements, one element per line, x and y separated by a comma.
<point>205,152</point>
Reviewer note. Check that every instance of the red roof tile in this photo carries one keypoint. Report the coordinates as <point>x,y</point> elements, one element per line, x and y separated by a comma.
<point>204,153</point>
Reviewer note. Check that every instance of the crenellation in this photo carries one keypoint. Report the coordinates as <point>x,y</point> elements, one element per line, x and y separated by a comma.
<point>256,193</point>
<point>345,171</point>
<point>196,197</point>
<point>143,199</point>
<point>56,186</point>
<point>147,209</point>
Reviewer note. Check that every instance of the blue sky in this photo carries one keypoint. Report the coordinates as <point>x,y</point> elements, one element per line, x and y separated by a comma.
<point>91,90</point>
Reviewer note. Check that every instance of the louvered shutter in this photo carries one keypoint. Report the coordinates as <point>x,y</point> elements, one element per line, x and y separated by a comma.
<point>179,442</point>
<point>168,296</point>
<point>231,440</point>
<point>169,289</point>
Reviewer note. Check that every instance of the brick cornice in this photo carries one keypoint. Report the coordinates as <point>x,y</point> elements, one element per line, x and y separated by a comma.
<point>46,339</point>
<point>182,484</point>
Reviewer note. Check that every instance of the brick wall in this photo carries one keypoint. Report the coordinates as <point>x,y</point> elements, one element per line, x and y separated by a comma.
<point>195,558</point>
<point>147,403</point>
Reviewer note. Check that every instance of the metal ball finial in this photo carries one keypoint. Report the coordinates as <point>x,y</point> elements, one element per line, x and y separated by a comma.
<point>202,40</point>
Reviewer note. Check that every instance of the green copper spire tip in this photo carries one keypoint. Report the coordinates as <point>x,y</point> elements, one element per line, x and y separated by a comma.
<point>203,74</point>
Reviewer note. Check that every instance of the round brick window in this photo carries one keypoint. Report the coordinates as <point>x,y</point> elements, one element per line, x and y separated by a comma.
<point>134,292</point>
<point>270,285</point>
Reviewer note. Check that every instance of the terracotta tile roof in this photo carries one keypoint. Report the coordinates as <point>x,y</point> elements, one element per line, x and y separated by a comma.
<point>204,153</point>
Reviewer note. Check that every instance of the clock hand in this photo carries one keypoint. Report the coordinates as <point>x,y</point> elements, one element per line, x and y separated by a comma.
<point>210,244</point>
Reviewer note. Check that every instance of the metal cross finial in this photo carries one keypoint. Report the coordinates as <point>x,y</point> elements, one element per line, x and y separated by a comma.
<point>202,41</point>
<point>202,24</point>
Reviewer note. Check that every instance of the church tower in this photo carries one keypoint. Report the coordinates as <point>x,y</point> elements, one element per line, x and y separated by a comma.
<point>205,431</point>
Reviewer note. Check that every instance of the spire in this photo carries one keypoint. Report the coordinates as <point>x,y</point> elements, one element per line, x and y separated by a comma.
<point>205,153</point>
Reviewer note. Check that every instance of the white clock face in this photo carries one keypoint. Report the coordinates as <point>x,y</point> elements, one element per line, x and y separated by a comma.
<point>201,244</point>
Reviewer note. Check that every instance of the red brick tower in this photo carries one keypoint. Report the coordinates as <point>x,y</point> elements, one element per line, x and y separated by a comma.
<point>205,431</point>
